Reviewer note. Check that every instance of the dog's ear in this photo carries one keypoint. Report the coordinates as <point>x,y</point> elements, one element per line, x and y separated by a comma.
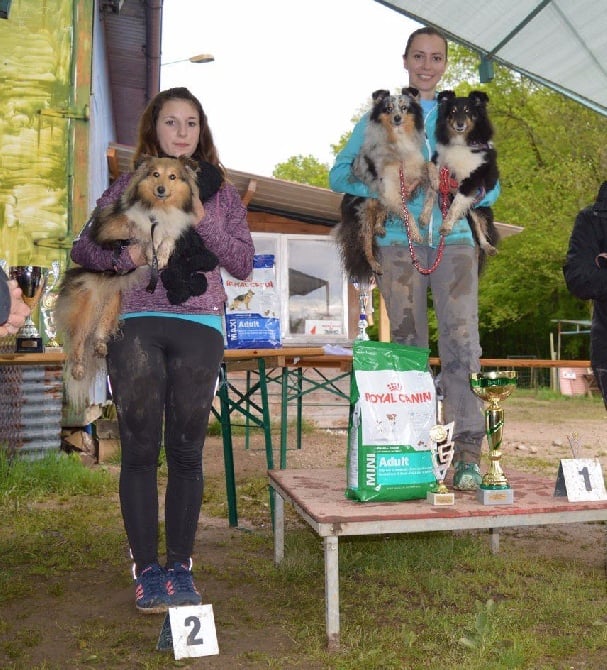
<point>190,163</point>
<point>445,96</point>
<point>379,95</point>
<point>479,98</point>
<point>143,160</point>
<point>412,92</point>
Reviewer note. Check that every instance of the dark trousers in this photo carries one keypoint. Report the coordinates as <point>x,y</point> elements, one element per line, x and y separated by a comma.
<point>163,373</point>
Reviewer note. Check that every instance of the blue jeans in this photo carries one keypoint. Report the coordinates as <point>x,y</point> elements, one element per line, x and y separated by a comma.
<point>454,288</point>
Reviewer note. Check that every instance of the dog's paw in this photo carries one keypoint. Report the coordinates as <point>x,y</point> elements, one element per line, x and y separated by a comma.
<point>489,249</point>
<point>377,268</point>
<point>380,230</point>
<point>77,371</point>
<point>447,226</point>
<point>100,348</point>
<point>433,175</point>
<point>414,233</point>
<point>423,220</point>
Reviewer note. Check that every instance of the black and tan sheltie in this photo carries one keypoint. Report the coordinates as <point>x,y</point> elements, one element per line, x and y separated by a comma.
<point>393,141</point>
<point>464,146</point>
<point>155,210</point>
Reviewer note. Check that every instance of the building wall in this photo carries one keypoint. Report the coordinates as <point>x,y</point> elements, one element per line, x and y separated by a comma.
<point>35,66</point>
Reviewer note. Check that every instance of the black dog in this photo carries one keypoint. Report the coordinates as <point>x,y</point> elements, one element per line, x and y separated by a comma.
<point>464,149</point>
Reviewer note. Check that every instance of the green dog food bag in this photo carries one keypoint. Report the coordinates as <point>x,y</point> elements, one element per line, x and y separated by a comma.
<point>392,408</point>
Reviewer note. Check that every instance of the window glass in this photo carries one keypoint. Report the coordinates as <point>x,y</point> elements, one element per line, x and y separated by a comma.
<point>313,289</point>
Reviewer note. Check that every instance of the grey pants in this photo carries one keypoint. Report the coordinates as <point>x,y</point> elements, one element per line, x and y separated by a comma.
<point>454,287</point>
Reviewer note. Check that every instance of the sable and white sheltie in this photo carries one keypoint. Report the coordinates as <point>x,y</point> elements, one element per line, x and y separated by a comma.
<point>465,148</point>
<point>155,210</point>
<point>394,138</point>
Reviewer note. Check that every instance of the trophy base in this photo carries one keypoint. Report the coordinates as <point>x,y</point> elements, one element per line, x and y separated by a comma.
<point>440,499</point>
<point>29,345</point>
<point>503,496</point>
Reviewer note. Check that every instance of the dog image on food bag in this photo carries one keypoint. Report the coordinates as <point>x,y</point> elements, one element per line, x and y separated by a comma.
<point>393,142</point>
<point>156,209</point>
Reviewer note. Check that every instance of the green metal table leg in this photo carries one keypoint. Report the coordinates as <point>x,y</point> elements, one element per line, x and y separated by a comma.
<point>263,390</point>
<point>228,452</point>
<point>299,378</point>
<point>284,416</point>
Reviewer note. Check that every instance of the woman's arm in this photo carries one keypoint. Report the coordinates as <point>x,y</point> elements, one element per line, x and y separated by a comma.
<point>585,268</point>
<point>225,232</point>
<point>93,257</point>
<point>341,178</point>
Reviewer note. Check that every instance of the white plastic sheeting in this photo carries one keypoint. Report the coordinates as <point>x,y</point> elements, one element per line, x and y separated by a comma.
<point>559,43</point>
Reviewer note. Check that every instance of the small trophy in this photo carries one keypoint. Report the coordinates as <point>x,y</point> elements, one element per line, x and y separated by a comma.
<point>493,387</point>
<point>364,288</point>
<point>31,280</point>
<point>47,306</point>
<point>441,437</point>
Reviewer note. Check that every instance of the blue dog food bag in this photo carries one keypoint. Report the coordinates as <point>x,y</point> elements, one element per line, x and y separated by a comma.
<point>392,409</point>
<point>252,317</point>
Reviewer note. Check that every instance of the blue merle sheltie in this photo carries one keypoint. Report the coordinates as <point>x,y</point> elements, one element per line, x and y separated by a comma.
<point>393,142</point>
<point>465,152</point>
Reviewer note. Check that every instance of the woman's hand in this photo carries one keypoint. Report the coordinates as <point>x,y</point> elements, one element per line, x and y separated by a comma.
<point>18,312</point>
<point>198,209</point>
<point>137,255</point>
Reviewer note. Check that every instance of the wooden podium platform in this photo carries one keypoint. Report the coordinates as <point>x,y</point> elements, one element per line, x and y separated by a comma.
<point>318,496</point>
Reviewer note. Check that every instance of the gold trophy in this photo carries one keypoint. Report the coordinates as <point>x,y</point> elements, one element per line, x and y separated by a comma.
<point>442,445</point>
<point>31,280</point>
<point>493,387</point>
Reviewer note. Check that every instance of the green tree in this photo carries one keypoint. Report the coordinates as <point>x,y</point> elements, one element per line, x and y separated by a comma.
<point>304,170</point>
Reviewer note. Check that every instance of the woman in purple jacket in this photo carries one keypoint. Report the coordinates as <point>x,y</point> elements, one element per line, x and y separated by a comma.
<point>163,365</point>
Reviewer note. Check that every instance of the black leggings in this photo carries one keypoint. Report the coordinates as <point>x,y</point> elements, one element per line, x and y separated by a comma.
<point>162,371</point>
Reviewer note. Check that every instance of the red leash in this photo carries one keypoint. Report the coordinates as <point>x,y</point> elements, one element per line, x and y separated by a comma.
<point>444,207</point>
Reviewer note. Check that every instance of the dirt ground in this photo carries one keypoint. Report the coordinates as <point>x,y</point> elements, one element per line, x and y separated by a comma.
<point>532,431</point>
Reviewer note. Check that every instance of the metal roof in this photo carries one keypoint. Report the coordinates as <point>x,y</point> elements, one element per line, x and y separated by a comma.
<point>558,43</point>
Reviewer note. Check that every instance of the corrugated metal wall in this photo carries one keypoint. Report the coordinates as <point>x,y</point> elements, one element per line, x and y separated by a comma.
<point>31,401</point>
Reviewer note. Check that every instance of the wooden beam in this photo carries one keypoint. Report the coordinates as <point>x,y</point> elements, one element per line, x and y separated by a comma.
<point>250,192</point>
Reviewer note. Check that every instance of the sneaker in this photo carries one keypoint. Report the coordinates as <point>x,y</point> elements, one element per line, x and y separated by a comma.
<point>180,586</point>
<point>150,590</point>
<point>467,476</point>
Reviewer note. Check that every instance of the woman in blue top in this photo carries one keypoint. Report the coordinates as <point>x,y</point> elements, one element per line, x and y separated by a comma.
<point>453,278</point>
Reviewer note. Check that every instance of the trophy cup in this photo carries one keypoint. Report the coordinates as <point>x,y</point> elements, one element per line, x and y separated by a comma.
<point>493,387</point>
<point>31,280</point>
<point>364,288</point>
<point>441,437</point>
<point>47,305</point>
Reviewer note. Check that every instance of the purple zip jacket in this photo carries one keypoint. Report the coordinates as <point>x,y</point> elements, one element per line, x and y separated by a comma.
<point>225,232</point>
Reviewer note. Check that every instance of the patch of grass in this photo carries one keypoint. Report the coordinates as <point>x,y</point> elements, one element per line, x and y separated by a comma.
<point>240,428</point>
<point>56,473</point>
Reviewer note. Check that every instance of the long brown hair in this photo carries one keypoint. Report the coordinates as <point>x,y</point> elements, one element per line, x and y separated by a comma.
<point>147,140</point>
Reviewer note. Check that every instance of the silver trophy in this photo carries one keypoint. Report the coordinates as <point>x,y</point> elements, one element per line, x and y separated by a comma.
<point>443,447</point>
<point>31,280</point>
<point>364,288</point>
<point>47,305</point>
